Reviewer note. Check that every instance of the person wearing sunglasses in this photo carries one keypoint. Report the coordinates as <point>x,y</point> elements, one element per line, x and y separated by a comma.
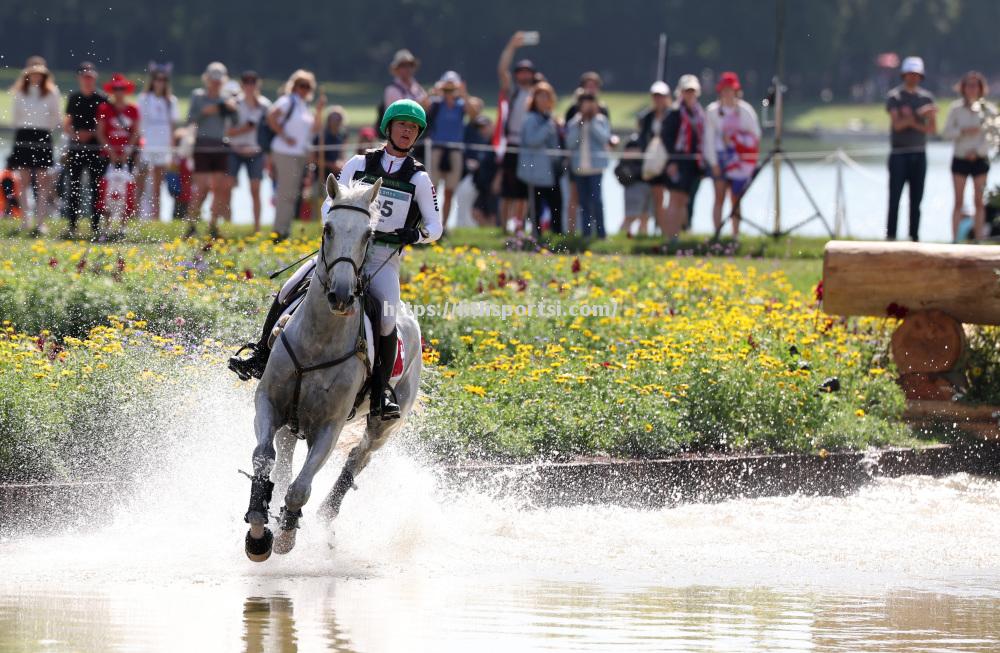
<point>294,124</point>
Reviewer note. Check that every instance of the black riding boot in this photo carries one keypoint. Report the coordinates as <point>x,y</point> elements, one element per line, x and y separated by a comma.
<point>383,400</point>
<point>254,364</point>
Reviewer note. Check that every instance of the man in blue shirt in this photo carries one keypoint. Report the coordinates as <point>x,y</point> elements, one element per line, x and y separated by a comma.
<point>446,129</point>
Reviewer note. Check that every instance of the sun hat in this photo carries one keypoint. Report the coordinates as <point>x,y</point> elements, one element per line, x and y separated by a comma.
<point>912,65</point>
<point>401,57</point>
<point>36,64</point>
<point>728,79</point>
<point>216,71</point>
<point>119,82</point>
<point>687,83</point>
<point>591,76</point>
<point>659,88</point>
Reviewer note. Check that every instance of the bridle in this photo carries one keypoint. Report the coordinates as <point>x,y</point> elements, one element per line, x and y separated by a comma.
<point>360,283</point>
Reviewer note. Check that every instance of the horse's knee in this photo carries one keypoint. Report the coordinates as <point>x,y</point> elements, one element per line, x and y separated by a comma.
<point>297,496</point>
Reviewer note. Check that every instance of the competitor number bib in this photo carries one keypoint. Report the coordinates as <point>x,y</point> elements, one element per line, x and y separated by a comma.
<point>394,201</point>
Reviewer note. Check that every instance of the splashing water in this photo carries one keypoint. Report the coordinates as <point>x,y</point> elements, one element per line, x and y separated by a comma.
<point>412,563</point>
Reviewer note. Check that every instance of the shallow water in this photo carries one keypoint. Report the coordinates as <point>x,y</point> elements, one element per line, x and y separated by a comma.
<point>906,564</point>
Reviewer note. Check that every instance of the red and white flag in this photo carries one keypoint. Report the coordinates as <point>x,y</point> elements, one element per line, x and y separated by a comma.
<point>499,141</point>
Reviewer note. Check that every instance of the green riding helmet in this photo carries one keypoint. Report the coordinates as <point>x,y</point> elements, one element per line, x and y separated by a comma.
<point>403,110</point>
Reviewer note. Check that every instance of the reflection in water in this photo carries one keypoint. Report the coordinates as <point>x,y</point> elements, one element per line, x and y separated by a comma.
<point>411,614</point>
<point>269,616</point>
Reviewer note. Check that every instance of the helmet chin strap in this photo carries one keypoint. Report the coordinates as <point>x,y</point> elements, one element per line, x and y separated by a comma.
<point>404,150</point>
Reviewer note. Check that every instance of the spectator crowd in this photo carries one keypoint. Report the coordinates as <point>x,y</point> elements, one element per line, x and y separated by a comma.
<point>532,169</point>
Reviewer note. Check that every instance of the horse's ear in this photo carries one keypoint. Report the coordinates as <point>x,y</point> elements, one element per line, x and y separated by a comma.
<point>332,187</point>
<point>373,191</point>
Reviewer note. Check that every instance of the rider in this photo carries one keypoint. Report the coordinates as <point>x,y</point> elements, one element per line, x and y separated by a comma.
<point>409,215</point>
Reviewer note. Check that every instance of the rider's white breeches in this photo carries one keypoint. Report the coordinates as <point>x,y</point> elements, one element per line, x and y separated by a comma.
<point>385,284</point>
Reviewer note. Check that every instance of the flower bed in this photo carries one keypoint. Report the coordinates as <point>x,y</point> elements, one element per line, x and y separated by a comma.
<point>698,355</point>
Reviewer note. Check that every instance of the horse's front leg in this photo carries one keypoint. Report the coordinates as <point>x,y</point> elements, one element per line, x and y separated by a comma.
<point>300,489</point>
<point>259,538</point>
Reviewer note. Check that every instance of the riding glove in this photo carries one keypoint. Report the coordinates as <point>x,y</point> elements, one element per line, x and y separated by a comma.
<point>408,235</point>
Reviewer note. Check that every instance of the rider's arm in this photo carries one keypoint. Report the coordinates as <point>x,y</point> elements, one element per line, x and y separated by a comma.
<point>426,197</point>
<point>355,163</point>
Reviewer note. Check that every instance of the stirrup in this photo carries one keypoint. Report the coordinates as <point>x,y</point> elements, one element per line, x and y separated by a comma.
<point>245,367</point>
<point>387,406</point>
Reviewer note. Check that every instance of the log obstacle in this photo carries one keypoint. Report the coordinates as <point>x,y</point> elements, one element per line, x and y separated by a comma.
<point>867,278</point>
<point>934,289</point>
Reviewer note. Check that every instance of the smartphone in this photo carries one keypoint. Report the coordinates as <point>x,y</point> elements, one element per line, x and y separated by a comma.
<point>531,38</point>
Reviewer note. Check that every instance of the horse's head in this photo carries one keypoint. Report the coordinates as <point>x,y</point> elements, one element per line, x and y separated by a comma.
<point>348,226</point>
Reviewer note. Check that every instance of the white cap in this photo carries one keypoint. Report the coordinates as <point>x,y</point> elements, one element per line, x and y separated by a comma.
<point>451,77</point>
<point>688,82</point>
<point>912,65</point>
<point>659,88</point>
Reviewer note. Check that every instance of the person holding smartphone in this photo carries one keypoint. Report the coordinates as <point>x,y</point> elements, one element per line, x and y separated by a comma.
<point>244,149</point>
<point>517,90</point>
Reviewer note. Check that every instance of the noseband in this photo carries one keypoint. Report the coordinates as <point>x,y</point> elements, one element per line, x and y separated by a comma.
<point>328,267</point>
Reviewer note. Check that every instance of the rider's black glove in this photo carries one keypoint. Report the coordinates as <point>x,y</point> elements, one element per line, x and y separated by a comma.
<point>408,235</point>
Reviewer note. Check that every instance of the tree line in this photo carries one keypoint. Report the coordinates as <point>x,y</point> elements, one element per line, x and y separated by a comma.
<point>831,45</point>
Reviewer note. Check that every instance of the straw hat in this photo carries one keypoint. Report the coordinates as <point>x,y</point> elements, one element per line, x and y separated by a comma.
<point>401,57</point>
<point>36,64</point>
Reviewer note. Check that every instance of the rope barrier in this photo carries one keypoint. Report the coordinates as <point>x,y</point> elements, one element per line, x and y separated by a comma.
<point>798,155</point>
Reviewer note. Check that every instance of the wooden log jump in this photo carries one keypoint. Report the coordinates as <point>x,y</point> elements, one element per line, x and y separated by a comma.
<point>934,289</point>
<point>866,278</point>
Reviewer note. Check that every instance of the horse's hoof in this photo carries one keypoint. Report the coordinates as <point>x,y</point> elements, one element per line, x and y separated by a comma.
<point>259,548</point>
<point>285,541</point>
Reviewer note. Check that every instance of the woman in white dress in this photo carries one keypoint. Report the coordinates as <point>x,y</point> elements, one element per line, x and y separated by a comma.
<point>160,114</point>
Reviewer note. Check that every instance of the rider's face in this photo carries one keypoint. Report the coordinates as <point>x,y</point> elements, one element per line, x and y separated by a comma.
<point>404,133</point>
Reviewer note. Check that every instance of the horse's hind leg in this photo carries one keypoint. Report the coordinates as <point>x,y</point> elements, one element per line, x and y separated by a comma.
<point>299,491</point>
<point>259,539</point>
<point>377,433</point>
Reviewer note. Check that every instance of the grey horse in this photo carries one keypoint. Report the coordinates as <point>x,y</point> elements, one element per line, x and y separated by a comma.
<point>325,334</point>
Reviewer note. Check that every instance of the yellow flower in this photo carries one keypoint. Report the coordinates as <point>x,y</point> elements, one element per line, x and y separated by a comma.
<point>859,412</point>
<point>475,389</point>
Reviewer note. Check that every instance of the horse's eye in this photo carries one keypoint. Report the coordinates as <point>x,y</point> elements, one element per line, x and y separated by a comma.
<point>327,231</point>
